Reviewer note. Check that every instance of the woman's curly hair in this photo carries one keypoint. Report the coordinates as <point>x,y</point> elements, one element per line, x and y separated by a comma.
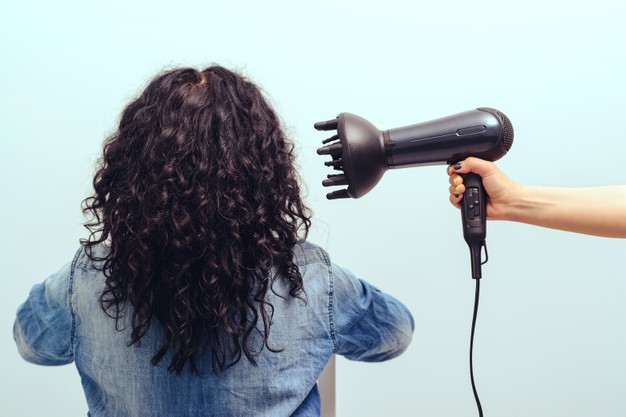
<point>197,199</point>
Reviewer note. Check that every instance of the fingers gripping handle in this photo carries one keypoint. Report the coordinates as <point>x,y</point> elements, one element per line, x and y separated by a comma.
<point>474,217</point>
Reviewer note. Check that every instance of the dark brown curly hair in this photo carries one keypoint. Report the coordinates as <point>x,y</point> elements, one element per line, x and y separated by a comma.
<point>197,199</point>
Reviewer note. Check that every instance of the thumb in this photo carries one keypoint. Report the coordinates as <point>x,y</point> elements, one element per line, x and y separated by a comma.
<point>475,165</point>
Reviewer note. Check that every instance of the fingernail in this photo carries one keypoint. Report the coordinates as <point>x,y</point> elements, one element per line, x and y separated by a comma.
<point>457,166</point>
<point>456,181</point>
<point>458,188</point>
<point>456,196</point>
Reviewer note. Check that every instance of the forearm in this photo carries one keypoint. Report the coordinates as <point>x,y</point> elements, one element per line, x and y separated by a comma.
<point>599,211</point>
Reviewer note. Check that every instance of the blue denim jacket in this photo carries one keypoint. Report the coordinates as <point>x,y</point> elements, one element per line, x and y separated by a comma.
<point>61,321</point>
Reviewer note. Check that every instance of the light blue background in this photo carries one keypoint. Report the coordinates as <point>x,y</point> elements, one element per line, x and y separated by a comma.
<point>551,336</point>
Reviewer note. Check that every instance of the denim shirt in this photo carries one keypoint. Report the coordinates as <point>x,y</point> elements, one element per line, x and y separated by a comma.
<point>62,322</point>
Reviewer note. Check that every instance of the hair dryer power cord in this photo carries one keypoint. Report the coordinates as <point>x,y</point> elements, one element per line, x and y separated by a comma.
<point>480,408</point>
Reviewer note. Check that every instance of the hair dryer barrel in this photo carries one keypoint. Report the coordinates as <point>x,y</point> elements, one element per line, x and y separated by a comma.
<point>484,133</point>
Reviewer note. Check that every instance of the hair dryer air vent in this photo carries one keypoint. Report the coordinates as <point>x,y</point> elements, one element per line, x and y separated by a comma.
<point>361,158</point>
<point>506,136</point>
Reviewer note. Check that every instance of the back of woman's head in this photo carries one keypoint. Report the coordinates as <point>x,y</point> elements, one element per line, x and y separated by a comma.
<point>197,198</point>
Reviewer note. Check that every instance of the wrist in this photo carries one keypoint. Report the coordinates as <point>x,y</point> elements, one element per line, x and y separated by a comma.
<point>515,204</point>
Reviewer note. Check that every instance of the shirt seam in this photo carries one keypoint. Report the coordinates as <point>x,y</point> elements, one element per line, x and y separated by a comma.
<point>70,297</point>
<point>331,305</point>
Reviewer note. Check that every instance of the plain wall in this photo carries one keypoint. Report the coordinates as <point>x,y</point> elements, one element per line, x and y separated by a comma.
<point>551,334</point>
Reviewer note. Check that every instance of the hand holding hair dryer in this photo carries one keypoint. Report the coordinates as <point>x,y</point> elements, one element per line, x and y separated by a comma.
<point>362,154</point>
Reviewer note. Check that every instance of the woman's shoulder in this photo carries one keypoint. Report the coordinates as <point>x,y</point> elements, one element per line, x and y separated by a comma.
<point>91,257</point>
<point>305,253</point>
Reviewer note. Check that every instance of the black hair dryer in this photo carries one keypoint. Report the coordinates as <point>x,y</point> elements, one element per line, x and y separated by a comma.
<point>364,153</point>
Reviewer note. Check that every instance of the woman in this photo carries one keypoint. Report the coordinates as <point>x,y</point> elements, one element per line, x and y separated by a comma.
<point>195,294</point>
<point>599,211</point>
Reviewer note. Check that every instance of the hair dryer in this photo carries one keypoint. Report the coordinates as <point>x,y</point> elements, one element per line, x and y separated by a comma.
<point>364,153</point>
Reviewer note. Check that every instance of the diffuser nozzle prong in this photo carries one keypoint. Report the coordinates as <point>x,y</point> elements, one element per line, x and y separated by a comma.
<point>334,149</point>
<point>327,125</point>
<point>335,180</point>
<point>338,194</point>
<point>334,163</point>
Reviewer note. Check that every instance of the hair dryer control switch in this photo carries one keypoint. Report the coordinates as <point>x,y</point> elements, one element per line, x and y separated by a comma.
<point>473,207</point>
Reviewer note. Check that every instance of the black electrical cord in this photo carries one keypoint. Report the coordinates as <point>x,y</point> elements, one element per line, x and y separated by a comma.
<point>480,408</point>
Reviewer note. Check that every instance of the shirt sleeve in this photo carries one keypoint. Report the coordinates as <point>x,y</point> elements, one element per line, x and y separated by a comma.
<point>43,327</point>
<point>369,325</point>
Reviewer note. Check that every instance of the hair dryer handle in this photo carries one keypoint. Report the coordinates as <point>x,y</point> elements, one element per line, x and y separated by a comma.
<point>474,216</point>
